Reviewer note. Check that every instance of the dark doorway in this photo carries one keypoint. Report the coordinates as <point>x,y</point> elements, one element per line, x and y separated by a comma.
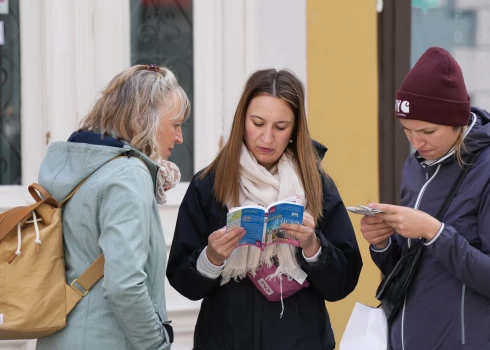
<point>393,64</point>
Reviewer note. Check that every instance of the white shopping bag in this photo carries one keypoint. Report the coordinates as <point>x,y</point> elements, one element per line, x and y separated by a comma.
<point>367,329</point>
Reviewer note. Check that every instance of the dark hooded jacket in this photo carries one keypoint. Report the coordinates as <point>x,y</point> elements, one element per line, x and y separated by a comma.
<point>448,304</point>
<point>237,316</point>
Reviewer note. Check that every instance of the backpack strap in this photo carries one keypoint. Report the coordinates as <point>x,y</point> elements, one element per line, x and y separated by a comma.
<point>12,217</point>
<point>63,202</point>
<point>89,277</point>
<point>85,282</point>
<point>35,188</point>
<point>81,285</point>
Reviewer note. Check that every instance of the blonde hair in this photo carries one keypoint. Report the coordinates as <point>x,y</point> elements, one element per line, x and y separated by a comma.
<point>459,146</point>
<point>285,85</point>
<point>131,105</point>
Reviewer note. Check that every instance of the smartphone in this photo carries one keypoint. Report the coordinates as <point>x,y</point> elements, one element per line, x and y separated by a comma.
<point>363,210</point>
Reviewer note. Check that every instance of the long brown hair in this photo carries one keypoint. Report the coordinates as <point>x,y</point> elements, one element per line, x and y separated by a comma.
<point>131,105</point>
<point>285,85</point>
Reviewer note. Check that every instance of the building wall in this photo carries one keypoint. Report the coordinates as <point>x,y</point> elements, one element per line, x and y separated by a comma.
<point>71,49</point>
<point>463,28</point>
<point>474,59</point>
<point>330,45</point>
<point>343,115</point>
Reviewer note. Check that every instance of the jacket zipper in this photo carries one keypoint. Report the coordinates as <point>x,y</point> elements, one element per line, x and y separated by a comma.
<point>463,340</point>
<point>417,204</point>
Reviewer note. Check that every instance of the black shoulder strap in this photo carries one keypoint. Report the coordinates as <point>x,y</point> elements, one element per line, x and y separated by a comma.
<point>466,168</point>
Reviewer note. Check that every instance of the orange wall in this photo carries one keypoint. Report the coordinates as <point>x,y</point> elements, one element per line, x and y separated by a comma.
<point>342,93</point>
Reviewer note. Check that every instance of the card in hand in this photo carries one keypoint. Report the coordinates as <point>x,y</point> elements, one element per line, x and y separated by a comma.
<point>363,210</point>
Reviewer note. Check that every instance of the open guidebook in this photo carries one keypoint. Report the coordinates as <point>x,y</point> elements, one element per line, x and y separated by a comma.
<point>263,225</point>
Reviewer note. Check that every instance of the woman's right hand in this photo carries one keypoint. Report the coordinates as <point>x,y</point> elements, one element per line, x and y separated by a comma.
<point>221,244</point>
<point>376,231</point>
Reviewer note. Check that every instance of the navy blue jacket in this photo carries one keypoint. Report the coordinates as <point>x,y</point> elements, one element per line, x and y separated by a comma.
<point>237,316</point>
<point>448,304</point>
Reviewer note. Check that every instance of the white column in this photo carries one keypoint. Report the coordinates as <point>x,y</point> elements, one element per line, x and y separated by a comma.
<point>260,34</point>
<point>59,68</point>
<point>235,58</point>
<point>86,43</point>
<point>276,35</point>
<point>84,56</point>
<point>102,47</point>
<point>112,40</point>
<point>208,80</point>
<point>33,133</point>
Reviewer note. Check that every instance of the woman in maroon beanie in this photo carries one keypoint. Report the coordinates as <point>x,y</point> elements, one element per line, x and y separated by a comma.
<point>448,301</point>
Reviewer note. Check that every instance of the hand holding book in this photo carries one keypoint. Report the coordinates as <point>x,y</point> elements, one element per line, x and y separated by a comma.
<point>305,234</point>
<point>222,243</point>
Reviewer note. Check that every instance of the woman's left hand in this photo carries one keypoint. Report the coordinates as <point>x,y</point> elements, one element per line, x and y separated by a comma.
<point>305,233</point>
<point>409,222</point>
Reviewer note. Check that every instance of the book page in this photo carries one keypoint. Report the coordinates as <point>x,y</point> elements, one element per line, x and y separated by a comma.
<point>252,220</point>
<point>283,213</point>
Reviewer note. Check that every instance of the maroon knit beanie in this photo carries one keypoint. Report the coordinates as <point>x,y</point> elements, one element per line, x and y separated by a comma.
<point>434,91</point>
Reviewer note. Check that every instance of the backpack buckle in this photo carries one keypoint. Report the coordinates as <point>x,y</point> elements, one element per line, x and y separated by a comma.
<point>80,291</point>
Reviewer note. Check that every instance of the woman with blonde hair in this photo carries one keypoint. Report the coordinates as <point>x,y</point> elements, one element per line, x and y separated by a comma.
<point>442,224</point>
<point>268,157</point>
<point>120,157</point>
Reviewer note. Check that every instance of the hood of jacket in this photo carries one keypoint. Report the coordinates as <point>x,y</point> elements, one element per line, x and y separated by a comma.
<point>479,136</point>
<point>320,149</point>
<point>66,164</point>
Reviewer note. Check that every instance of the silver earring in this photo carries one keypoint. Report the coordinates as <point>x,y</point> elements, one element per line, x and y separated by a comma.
<point>291,141</point>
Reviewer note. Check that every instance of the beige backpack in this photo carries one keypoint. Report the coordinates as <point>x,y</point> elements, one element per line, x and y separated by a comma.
<point>34,296</point>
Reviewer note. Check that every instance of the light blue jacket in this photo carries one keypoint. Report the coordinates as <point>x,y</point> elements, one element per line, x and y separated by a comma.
<point>114,212</point>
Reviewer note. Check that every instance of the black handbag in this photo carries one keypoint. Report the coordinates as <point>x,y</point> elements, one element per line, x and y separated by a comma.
<point>394,287</point>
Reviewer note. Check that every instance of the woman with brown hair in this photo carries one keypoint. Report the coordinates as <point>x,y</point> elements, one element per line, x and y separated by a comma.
<point>268,157</point>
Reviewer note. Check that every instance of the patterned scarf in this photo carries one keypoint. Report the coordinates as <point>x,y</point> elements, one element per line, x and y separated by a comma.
<point>168,178</point>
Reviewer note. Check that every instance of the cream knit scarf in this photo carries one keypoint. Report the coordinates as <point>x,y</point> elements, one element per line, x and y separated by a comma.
<point>168,178</point>
<point>258,186</point>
